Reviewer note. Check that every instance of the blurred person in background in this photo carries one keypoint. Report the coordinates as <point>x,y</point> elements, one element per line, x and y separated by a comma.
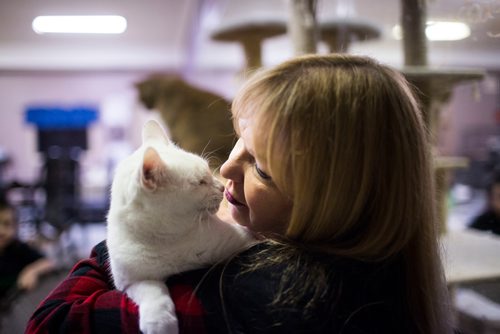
<point>21,265</point>
<point>489,220</point>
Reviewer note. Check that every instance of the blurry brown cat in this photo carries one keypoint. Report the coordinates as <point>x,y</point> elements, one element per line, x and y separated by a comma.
<point>199,121</point>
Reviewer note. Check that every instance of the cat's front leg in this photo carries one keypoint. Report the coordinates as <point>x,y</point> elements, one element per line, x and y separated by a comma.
<point>156,308</point>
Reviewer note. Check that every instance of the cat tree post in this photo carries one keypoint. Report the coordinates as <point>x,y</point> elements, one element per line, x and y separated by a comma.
<point>434,89</point>
<point>302,26</point>
<point>413,23</point>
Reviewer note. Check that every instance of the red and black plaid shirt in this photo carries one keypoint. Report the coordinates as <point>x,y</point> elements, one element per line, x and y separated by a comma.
<point>86,302</point>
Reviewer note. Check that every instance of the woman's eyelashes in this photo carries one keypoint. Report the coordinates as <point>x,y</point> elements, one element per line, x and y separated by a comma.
<point>261,173</point>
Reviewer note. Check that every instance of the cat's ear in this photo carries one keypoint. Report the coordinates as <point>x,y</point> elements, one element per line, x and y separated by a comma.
<point>154,170</point>
<point>152,130</point>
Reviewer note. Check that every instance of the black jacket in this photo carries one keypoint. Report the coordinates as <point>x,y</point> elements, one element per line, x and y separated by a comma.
<point>487,221</point>
<point>359,297</point>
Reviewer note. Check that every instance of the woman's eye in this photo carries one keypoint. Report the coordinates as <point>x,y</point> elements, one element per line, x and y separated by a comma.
<point>261,173</point>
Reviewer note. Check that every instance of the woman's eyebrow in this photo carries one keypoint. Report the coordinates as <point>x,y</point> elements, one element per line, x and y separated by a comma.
<point>248,149</point>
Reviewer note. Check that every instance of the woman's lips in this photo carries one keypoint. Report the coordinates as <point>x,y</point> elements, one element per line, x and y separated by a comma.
<point>231,199</point>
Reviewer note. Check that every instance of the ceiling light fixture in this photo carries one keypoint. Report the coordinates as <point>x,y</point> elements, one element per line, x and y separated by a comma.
<point>80,24</point>
<point>439,31</point>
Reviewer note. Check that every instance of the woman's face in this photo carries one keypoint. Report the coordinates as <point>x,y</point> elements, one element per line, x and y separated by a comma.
<point>254,200</point>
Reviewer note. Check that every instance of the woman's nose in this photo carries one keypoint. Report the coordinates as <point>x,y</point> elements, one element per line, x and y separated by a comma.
<point>229,170</point>
<point>232,168</point>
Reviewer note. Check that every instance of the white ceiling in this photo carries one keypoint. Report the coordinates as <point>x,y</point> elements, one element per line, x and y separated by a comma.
<point>175,34</point>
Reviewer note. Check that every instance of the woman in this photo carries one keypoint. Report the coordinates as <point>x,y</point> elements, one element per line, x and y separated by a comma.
<point>332,169</point>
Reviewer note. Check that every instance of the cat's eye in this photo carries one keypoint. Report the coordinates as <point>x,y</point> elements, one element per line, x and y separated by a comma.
<point>203,182</point>
<point>261,173</point>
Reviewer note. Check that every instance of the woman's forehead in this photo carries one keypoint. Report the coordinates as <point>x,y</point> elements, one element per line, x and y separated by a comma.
<point>243,113</point>
<point>245,131</point>
<point>250,130</point>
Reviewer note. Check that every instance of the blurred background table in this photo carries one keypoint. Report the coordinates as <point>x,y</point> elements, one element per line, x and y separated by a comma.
<point>470,255</point>
<point>472,269</point>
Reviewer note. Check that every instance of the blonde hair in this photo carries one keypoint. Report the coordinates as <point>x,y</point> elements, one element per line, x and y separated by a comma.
<point>345,139</point>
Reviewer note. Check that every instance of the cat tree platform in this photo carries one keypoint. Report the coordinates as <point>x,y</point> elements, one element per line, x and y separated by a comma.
<point>250,33</point>
<point>339,33</point>
<point>442,78</point>
<point>436,86</point>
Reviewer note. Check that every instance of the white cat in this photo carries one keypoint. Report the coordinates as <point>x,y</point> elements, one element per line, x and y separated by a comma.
<point>162,221</point>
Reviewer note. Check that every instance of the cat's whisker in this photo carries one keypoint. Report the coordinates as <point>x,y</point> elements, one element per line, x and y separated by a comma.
<point>210,154</point>
<point>214,102</point>
<point>207,144</point>
<point>216,171</point>
<point>214,161</point>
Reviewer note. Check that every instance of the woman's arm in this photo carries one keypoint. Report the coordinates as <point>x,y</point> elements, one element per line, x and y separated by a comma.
<point>86,302</point>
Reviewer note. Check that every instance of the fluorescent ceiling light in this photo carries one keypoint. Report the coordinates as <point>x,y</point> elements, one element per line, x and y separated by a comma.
<point>446,31</point>
<point>439,31</point>
<point>80,24</point>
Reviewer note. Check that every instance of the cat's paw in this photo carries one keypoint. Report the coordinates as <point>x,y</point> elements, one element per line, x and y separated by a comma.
<point>158,317</point>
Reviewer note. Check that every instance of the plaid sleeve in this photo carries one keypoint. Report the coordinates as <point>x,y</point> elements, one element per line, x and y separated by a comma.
<point>87,302</point>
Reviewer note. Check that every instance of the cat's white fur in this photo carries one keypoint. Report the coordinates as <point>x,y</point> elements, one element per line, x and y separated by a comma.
<point>162,221</point>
